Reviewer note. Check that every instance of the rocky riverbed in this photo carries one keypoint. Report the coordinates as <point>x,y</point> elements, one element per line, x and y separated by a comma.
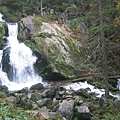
<point>62,102</point>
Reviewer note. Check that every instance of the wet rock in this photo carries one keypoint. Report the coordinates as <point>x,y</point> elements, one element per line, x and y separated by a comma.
<point>24,90</point>
<point>83,113</point>
<point>68,96</point>
<point>55,100</point>
<point>103,100</point>
<point>35,106</point>
<point>78,100</point>
<point>59,97</point>
<point>35,97</point>
<point>26,103</point>
<point>61,93</point>
<point>43,93</point>
<point>66,108</point>
<point>51,93</point>
<point>83,93</point>
<point>55,104</point>
<point>43,102</point>
<point>38,86</point>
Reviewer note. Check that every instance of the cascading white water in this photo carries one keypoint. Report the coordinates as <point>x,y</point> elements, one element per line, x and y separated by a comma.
<point>1,17</point>
<point>21,60</point>
<point>1,54</point>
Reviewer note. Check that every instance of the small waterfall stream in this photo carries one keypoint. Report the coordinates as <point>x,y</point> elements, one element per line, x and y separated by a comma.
<point>21,60</point>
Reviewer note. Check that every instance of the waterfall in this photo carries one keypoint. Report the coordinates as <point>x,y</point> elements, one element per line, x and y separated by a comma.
<point>22,62</point>
<point>1,17</point>
<point>21,58</point>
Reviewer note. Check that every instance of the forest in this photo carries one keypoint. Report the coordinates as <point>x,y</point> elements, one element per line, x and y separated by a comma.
<point>89,32</point>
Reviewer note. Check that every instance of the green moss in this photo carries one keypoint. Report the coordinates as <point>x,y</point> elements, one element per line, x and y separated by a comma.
<point>37,22</point>
<point>58,61</point>
<point>11,15</point>
<point>65,69</point>
<point>50,18</point>
<point>109,111</point>
<point>2,31</point>
<point>77,53</point>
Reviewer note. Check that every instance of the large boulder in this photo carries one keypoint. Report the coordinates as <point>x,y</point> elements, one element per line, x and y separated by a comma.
<point>83,113</point>
<point>57,50</point>
<point>37,86</point>
<point>66,108</point>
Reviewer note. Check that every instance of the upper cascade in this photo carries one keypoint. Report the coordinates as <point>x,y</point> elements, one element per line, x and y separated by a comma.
<point>21,60</point>
<point>13,29</point>
<point>1,18</point>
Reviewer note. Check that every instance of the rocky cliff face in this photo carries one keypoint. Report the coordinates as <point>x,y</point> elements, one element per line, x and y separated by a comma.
<point>56,43</point>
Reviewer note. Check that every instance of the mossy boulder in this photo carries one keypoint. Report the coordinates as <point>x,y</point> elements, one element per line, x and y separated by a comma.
<point>56,45</point>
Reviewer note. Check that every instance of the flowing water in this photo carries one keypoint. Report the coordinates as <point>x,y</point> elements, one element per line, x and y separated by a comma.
<point>1,18</point>
<point>21,60</point>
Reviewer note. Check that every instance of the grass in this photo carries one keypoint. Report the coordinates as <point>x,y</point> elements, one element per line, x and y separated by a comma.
<point>9,111</point>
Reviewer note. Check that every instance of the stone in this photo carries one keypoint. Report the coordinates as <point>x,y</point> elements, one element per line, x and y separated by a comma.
<point>78,100</point>
<point>59,97</point>
<point>10,99</point>
<point>51,93</point>
<point>43,102</point>
<point>55,101</point>
<point>43,93</point>
<point>35,106</point>
<point>83,93</point>
<point>38,86</point>
<point>29,24</point>
<point>83,113</point>
<point>66,108</point>
<point>26,103</point>
<point>49,115</point>
<point>35,97</point>
<point>24,90</point>
<point>61,92</point>
<point>2,94</point>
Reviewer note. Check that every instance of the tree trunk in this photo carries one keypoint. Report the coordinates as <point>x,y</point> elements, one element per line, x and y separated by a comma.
<point>105,72</point>
<point>41,9</point>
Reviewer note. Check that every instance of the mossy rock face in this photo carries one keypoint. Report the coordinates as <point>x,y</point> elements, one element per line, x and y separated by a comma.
<point>60,50</point>
<point>56,53</point>
<point>2,31</point>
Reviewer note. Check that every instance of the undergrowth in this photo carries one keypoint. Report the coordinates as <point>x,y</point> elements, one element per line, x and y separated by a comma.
<point>9,111</point>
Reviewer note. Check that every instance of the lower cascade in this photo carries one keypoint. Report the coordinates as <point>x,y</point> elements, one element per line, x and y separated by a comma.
<point>22,62</point>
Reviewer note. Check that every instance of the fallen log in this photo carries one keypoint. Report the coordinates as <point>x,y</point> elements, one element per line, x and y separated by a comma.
<point>82,79</point>
<point>92,76</point>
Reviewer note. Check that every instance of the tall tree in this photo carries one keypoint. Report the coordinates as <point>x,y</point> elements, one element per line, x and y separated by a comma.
<point>105,71</point>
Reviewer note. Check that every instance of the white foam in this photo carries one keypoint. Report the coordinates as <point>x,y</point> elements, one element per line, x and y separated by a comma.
<point>1,18</point>
<point>92,89</point>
